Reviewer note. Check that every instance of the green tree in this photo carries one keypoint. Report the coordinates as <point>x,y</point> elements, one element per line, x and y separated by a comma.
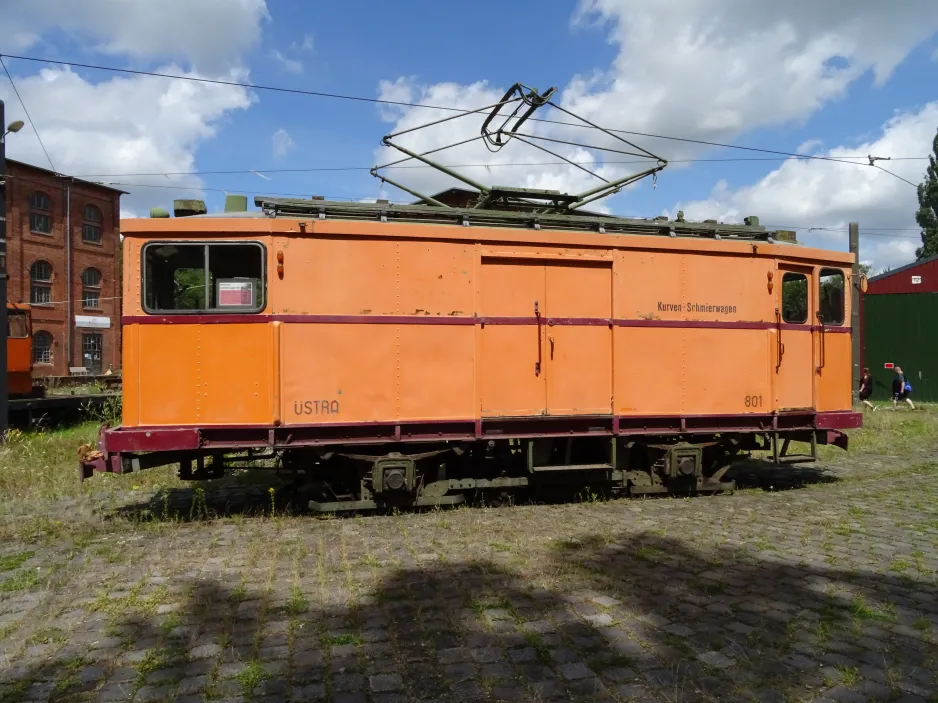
<point>927,215</point>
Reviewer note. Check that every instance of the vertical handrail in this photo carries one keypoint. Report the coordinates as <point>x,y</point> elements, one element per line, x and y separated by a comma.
<point>781,347</point>
<point>275,367</point>
<point>822,345</point>
<point>537,316</point>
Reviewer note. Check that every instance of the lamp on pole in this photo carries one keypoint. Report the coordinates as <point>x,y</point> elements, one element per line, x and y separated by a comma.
<point>11,128</point>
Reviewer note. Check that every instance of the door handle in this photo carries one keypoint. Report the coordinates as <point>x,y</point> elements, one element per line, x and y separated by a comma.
<point>551,340</point>
<point>537,316</point>
<point>778,337</point>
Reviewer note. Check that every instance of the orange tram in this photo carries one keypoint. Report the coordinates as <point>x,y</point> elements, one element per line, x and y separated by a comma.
<point>409,355</point>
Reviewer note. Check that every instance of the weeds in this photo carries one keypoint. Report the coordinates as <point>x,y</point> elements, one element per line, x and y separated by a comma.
<point>13,561</point>
<point>251,676</point>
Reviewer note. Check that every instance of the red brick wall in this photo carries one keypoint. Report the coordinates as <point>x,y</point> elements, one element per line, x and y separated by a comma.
<point>25,247</point>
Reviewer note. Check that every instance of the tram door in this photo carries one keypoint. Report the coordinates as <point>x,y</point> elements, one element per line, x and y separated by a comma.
<point>794,344</point>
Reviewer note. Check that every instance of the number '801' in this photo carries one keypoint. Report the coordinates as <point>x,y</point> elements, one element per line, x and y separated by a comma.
<point>753,401</point>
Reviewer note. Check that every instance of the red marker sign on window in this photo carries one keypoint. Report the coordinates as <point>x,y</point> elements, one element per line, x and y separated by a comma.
<point>888,365</point>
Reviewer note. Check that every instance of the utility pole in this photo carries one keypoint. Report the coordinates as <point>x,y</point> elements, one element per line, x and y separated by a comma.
<point>855,302</point>
<point>4,330</point>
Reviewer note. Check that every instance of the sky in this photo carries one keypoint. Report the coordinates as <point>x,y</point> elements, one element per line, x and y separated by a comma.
<point>839,78</point>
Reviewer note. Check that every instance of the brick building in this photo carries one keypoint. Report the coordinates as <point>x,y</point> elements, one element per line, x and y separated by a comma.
<point>72,282</point>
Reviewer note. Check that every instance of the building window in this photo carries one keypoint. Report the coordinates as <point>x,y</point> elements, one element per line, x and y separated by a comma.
<point>189,277</point>
<point>40,213</point>
<point>42,348</point>
<point>40,283</point>
<point>91,224</point>
<point>91,288</point>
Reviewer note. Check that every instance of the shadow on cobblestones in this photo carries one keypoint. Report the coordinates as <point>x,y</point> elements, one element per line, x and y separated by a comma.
<point>734,624</point>
<point>646,617</point>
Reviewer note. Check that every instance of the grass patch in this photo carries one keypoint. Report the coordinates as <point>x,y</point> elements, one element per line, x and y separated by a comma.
<point>22,581</point>
<point>157,659</point>
<point>346,638</point>
<point>131,603</point>
<point>863,610</point>
<point>647,553</point>
<point>13,561</point>
<point>536,642</point>
<point>849,675</point>
<point>47,635</point>
<point>298,603</point>
<point>251,676</point>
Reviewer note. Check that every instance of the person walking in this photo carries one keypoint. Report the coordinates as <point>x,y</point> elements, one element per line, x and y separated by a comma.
<point>901,389</point>
<point>866,389</point>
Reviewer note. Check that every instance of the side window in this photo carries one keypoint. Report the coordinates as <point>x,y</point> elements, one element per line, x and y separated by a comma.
<point>831,296</point>
<point>217,277</point>
<point>18,324</point>
<point>794,298</point>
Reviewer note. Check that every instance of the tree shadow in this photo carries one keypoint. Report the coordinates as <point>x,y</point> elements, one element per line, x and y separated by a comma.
<point>642,618</point>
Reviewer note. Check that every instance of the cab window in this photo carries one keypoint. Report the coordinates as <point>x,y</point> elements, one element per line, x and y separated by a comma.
<point>17,324</point>
<point>218,277</point>
<point>831,297</point>
<point>794,298</point>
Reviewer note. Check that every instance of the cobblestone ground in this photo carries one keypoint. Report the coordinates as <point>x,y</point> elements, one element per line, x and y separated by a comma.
<point>811,584</point>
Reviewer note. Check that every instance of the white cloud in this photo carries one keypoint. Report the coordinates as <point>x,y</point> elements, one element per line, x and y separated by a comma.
<point>212,34</point>
<point>710,69</point>
<point>815,194</point>
<point>283,143</point>
<point>130,125</point>
<point>290,64</point>
<point>701,69</point>
<point>121,126</point>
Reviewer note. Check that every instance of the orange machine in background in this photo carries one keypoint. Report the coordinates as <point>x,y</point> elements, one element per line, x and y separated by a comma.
<point>415,357</point>
<point>19,351</point>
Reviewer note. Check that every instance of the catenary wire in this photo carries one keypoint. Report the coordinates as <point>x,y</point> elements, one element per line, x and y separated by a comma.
<point>313,169</point>
<point>298,91</point>
<point>23,105</point>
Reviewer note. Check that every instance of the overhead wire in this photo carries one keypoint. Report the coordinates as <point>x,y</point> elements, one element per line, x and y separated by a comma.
<point>785,155</point>
<point>28,117</point>
<point>400,103</point>
<point>312,169</point>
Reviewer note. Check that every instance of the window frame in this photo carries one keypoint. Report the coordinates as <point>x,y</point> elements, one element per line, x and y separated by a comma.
<point>43,211</point>
<point>807,287</point>
<point>15,312</point>
<point>51,338</point>
<point>88,288</point>
<point>256,310</point>
<point>843,300</point>
<point>44,283</point>
<point>87,222</point>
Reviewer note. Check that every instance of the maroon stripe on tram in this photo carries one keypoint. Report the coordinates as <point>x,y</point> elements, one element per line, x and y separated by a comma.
<point>464,320</point>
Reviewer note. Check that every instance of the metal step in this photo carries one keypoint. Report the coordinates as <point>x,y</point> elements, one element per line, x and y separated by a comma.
<point>575,467</point>
<point>350,505</point>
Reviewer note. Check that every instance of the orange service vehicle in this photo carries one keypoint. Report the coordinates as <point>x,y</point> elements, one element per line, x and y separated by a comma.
<point>412,354</point>
<point>19,351</point>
